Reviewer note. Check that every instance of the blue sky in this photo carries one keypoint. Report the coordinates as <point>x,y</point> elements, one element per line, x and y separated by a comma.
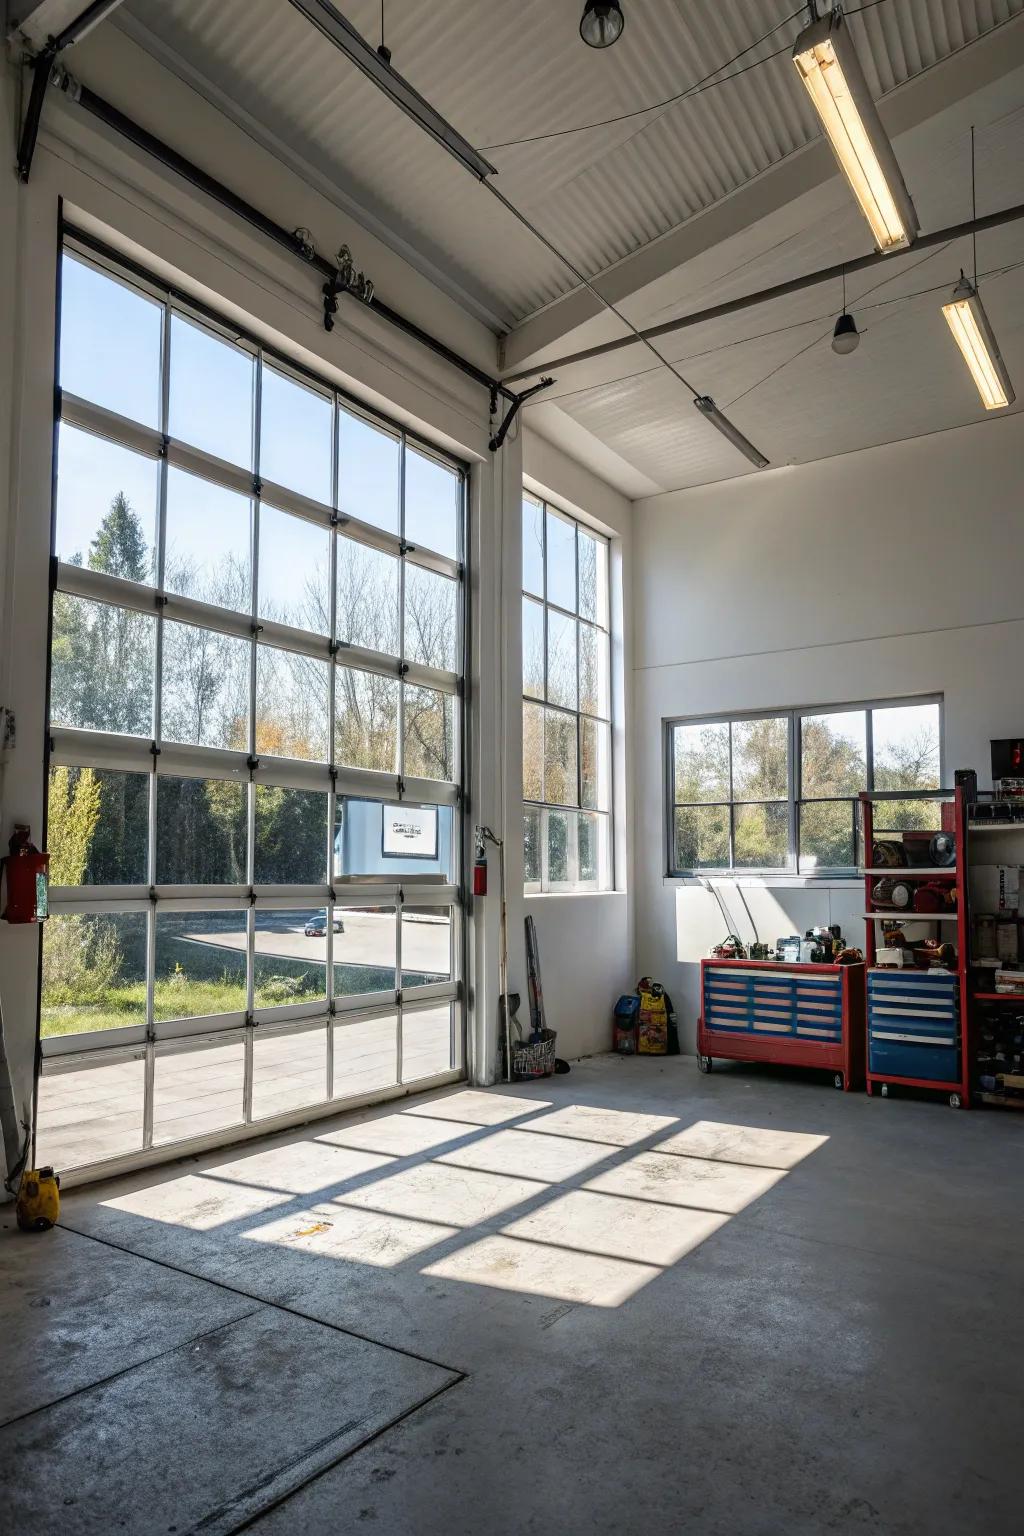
<point>110,354</point>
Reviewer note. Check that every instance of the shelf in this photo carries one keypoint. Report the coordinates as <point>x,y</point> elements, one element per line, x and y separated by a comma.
<point>911,917</point>
<point>995,826</point>
<point>918,872</point>
<point>998,997</point>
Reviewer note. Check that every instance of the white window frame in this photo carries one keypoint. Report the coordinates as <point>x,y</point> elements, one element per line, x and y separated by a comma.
<point>81,748</point>
<point>545,885</point>
<point>794,798</point>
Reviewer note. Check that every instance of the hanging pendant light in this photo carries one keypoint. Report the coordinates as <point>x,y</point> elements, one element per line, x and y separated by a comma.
<point>845,337</point>
<point>601,23</point>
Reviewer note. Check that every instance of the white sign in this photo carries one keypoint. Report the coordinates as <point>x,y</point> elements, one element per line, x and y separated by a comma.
<point>410,832</point>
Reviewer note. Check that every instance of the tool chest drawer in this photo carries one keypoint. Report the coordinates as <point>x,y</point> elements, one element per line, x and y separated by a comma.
<point>769,1011</point>
<point>914,1024</point>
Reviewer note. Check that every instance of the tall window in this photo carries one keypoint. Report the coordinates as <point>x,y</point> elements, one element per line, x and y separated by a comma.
<point>254,721</point>
<point>778,791</point>
<point>566,704</point>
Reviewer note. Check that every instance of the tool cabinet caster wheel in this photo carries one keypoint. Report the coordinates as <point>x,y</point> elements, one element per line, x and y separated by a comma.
<point>838,1080</point>
<point>884,1090</point>
<point>955,1101</point>
<point>704,1063</point>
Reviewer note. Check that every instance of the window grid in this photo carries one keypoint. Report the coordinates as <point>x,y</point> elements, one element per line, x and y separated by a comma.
<point>580,716</point>
<point>796,802</point>
<point>337,780</point>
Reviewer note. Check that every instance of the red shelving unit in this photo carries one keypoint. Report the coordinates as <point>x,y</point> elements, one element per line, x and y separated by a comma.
<point>957,1088</point>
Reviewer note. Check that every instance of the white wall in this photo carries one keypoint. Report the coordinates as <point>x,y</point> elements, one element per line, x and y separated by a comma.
<point>586,941</point>
<point>895,571</point>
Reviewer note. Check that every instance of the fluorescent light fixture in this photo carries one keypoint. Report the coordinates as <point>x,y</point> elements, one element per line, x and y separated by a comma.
<point>332,25</point>
<point>709,410</point>
<point>966,318</point>
<point>827,62</point>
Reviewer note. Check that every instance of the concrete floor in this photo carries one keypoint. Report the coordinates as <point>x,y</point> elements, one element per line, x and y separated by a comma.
<point>633,1299</point>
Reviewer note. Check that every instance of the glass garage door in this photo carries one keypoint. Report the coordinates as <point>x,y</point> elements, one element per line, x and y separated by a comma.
<point>255,737</point>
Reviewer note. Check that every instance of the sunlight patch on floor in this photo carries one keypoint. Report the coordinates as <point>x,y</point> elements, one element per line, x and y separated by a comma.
<point>618,1228</point>
<point>479,1106</point>
<point>611,1127</point>
<point>696,1182</point>
<point>753,1145</point>
<point>549,1158</point>
<point>459,1197</point>
<point>400,1135</point>
<point>332,1231</point>
<point>535,1269</point>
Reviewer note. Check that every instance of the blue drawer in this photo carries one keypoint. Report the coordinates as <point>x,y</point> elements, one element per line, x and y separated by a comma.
<point>770,1003</point>
<point>914,1025</point>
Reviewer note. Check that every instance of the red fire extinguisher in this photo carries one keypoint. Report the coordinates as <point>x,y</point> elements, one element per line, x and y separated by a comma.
<point>27,872</point>
<point>480,867</point>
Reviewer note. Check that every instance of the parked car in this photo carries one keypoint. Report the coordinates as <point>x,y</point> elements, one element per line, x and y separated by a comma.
<point>316,927</point>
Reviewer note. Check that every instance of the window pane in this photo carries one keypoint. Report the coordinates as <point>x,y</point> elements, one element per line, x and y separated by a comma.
<point>292,705</point>
<point>826,835</point>
<point>288,1071</point>
<point>906,747</point>
<point>702,837</point>
<point>208,542</point>
<point>367,598</point>
<point>533,547</point>
<point>429,735</point>
<point>907,816</point>
<point>595,765</point>
<point>94,972</point>
<point>97,826</point>
<point>109,343</point>
<point>373,838</point>
<point>365,950</point>
<point>205,696</point>
<point>211,405</point>
<point>594,691</point>
<point>294,572</point>
<point>200,964</point>
<point>833,753</point>
<point>102,667</point>
<point>533,649</point>
<point>701,763</point>
<point>593,860</point>
<point>761,836</point>
<point>431,504</point>
<point>197,1088</point>
<point>531,845</point>
<point>201,832</point>
<point>426,1042</point>
<point>760,759</point>
<point>533,752</point>
<point>561,660</point>
<point>368,472</point>
<point>426,945</point>
<point>295,436</point>
<point>561,865</point>
<point>365,1056</point>
<point>561,561</point>
<point>92,1113</point>
<point>365,720</point>
<point>291,836</point>
<point>106,506</point>
<point>560,787</point>
<point>431,606</point>
<point>288,966</point>
<point>593,558</point>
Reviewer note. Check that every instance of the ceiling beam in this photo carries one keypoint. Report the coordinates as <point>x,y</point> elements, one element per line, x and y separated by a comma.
<point>65,21</point>
<point>904,109</point>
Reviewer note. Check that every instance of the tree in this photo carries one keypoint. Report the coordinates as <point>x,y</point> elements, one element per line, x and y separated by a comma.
<point>73,810</point>
<point>119,547</point>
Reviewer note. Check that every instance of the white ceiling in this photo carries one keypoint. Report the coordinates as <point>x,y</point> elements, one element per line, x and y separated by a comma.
<point>630,203</point>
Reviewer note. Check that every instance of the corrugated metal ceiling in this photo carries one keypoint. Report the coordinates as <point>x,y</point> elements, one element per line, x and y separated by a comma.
<point>506,69</point>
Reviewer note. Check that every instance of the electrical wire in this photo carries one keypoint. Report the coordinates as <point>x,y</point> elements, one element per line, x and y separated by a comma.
<point>705,83</point>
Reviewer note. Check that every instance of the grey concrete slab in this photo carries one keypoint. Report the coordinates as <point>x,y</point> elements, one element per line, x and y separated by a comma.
<point>739,1304</point>
<point>73,1311</point>
<point>208,1435</point>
